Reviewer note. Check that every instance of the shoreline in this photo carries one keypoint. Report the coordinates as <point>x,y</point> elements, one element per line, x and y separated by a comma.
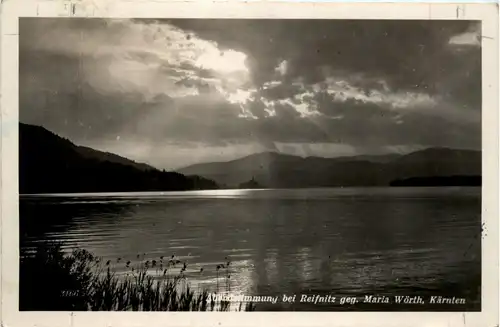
<point>145,193</point>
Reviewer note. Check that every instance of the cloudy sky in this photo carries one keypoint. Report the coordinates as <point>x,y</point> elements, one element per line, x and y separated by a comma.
<point>177,92</point>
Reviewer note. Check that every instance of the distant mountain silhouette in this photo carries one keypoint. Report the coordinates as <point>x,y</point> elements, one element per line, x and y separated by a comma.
<point>283,171</point>
<point>383,158</point>
<point>51,164</point>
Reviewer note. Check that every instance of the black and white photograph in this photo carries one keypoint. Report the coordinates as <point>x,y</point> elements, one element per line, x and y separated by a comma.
<point>250,164</point>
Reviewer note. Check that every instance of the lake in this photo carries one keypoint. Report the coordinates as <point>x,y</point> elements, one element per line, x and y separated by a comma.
<point>341,241</point>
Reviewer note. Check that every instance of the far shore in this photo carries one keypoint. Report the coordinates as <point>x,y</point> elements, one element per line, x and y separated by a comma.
<point>237,189</point>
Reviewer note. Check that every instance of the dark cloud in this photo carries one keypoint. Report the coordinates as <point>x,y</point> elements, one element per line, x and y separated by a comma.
<point>405,52</point>
<point>363,84</point>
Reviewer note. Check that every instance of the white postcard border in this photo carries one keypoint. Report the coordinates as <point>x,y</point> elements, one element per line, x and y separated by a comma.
<point>13,9</point>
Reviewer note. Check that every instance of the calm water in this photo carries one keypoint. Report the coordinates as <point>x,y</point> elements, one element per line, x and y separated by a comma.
<point>350,241</point>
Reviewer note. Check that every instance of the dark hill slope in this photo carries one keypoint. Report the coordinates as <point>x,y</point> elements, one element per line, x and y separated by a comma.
<point>51,164</point>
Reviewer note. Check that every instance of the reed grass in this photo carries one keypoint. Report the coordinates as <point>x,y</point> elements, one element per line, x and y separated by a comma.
<point>79,281</point>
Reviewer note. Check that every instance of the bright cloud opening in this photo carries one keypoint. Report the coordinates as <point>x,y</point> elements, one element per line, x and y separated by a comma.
<point>469,38</point>
<point>240,96</point>
<point>228,61</point>
<point>282,68</point>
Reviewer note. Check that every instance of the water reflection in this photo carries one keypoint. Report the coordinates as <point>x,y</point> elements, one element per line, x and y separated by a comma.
<point>278,241</point>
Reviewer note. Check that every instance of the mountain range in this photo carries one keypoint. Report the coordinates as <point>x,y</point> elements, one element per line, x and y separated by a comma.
<point>275,170</point>
<point>49,163</point>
